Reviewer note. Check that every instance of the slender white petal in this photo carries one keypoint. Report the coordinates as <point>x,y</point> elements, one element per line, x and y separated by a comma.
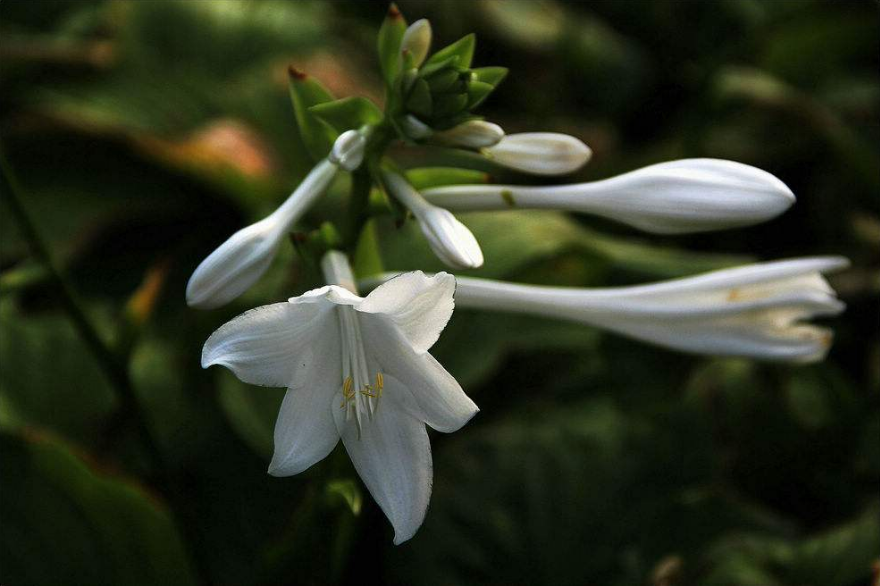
<point>450,240</point>
<point>348,150</point>
<point>392,455</point>
<point>237,264</point>
<point>473,134</point>
<point>305,432</point>
<point>261,345</point>
<point>540,153</point>
<point>440,400</point>
<point>691,195</point>
<point>417,40</point>
<point>418,304</point>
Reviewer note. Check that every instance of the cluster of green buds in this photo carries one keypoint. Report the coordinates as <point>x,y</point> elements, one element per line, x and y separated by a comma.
<point>430,95</point>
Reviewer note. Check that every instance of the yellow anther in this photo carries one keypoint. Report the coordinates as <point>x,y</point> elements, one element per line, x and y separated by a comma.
<point>380,381</point>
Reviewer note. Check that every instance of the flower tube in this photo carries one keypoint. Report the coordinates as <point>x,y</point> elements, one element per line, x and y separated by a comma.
<point>540,153</point>
<point>450,240</point>
<point>678,197</point>
<point>237,263</point>
<point>755,311</point>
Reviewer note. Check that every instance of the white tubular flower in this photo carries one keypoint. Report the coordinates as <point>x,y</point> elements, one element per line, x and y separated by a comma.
<point>755,311</point>
<point>417,40</point>
<point>473,134</point>
<point>540,153</point>
<point>678,197</point>
<point>450,240</point>
<point>356,369</point>
<point>237,263</point>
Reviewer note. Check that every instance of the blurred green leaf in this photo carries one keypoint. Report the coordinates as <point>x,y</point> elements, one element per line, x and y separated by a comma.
<point>307,92</point>
<point>64,519</point>
<point>348,113</point>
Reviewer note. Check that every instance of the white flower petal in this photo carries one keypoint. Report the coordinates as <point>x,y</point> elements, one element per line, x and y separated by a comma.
<point>418,304</point>
<point>440,400</point>
<point>540,153</point>
<point>305,432</point>
<point>261,346</point>
<point>392,455</point>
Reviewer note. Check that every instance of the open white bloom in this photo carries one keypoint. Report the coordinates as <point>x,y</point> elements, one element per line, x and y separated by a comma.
<point>237,263</point>
<point>356,369</point>
<point>756,311</point>
<point>473,134</point>
<point>450,240</point>
<point>540,153</point>
<point>417,40</point>
<point>690,195</point>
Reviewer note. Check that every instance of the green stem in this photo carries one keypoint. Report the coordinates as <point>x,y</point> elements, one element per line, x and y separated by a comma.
<point>115,371</point>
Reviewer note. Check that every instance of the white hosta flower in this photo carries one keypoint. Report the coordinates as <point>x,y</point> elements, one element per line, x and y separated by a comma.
<point>473,134</point>
<point>450,240</point>
<point>417,40</point>
<point>356,369</point>
<point>540,153</point>
<point>678,197</point>
<point>755,311</point>
<point>237,263</point>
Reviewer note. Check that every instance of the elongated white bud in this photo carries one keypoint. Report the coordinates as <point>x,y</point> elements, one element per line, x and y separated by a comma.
<point>473,134</point>
<point>450,240</point>
<point>417,40</point>
<point>757,311</point>
<point>415,128</point>
<point>540,153</point>
<point>237,264</point>
<point>348,150</point>
<point>678,197</point>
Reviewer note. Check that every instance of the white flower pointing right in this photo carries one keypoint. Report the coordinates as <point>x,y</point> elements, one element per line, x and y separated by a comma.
<point>540,153</point>
<point>689,195</point>
<point>757,311</point>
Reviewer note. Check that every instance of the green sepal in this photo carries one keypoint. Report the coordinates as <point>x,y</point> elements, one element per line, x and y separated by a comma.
<point>491,75</point>
<point>428,177</point>
<point>463,48</point>
<point>419,100</point>
<point>390,37</point>
<point>306,92</point>
<point>442,80</point>
<point>477,92</point>
<point>348,113</point>
<point>367,258</point>
<point>432,67</point>
<point>450,104</point>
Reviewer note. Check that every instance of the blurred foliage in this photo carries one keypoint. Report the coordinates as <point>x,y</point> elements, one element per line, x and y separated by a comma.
<point>144,133</point>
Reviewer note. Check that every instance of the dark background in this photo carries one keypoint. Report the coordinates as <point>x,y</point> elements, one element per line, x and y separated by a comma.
<point>142,134</point>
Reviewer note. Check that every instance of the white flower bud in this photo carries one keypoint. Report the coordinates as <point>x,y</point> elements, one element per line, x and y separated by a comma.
<point>540,153</point>
<point>450,240</point>
<point>473,134</point>
<point>678,197</point>
<point>415,128</point>
<point>348,150</point>
<point>237,264</point>
<point>417,40</point>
